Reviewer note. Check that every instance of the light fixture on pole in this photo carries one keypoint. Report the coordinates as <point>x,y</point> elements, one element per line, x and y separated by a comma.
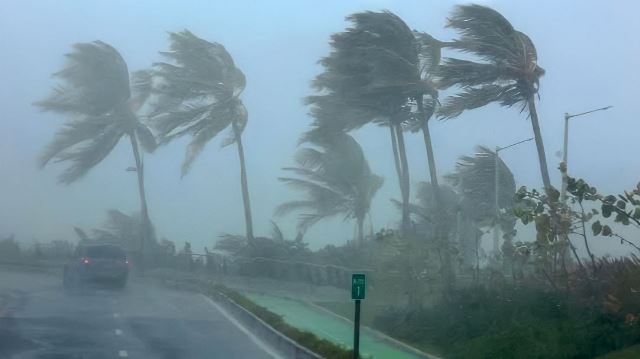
<point>565,176</point>
<point>496,176</point>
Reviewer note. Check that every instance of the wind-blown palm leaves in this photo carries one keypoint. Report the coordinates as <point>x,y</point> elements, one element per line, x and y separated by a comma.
<point>336,180</point>
<point>120,228</point>
<point>508,73</point>
<point>198,94</point>
<point>95,95</point>
<point>474,177</point>
<point>369,77</point>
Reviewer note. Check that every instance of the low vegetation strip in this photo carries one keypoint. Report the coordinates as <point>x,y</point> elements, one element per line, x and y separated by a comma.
<point>322,347</point>
<point>308,340</point>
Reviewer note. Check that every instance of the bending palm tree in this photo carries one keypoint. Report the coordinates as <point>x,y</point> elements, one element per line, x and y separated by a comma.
<point>337,181</point>
<point>95,94</point>
<point>475,179</point>
<point>370,77</point>
<point>509,74</point>
<point>200,95</point>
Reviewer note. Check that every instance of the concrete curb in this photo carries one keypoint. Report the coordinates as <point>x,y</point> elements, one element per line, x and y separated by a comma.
<point>282,344</point>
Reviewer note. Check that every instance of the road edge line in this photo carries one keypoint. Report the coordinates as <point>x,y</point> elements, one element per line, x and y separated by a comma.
<point>264,346</point>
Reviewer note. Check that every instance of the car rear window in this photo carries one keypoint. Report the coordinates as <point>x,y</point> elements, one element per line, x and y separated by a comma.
<point>105,252</point>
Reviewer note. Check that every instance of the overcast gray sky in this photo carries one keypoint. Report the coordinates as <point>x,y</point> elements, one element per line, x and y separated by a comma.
<point>588,48</point>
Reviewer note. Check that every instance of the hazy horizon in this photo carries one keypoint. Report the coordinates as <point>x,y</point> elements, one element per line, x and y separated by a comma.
<point>277,46</point>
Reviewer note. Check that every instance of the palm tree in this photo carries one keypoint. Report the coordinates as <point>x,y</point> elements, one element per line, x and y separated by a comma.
<point>120,228</point>
<point>370,76</point>
<point>475,177</point>
<point>336,179</point>
<point>96,95</point>
<point>508,73</point>
<point>199,94</point>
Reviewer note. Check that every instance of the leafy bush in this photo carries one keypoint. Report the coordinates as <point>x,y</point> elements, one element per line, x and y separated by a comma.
<point>511,322</point>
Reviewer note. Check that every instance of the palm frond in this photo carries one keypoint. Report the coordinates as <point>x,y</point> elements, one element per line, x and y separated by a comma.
<point>475,97</point>
<point>199,89</point>
<point>335,180</point>
<point>202,134</point>
<point>95,80</point>
<point>465,73</point>
<point>475,178</point>
<point>508,73</point>
<point>276,232</point>
<point>484,32</point>
<point>87,154</point>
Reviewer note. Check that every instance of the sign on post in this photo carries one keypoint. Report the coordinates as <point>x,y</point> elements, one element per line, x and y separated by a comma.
<point>358,288</point>
<point>358,285</point>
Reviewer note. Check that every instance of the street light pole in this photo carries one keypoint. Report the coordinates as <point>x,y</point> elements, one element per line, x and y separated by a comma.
<point>565,149</point>
<point>496,175</point>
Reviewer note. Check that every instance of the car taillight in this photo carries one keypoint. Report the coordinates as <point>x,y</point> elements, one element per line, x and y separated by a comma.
<point>86,260</point>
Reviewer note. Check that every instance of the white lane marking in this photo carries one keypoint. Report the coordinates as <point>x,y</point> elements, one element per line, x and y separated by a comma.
<point>242,328</point>
<point>118,332</point>
<point>123,354</point>
<point>116,315</point>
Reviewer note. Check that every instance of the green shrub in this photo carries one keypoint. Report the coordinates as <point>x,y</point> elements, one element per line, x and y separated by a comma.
<point>511,322</point>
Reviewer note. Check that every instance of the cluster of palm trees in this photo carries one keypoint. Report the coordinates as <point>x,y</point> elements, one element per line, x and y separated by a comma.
<point>379,72</point>
<point>196,92</point>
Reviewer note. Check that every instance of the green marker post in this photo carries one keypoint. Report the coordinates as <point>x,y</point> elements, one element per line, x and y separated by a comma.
<point>358,288</point>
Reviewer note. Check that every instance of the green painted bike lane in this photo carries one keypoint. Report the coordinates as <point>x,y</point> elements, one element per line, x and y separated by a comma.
<point>329,327</point>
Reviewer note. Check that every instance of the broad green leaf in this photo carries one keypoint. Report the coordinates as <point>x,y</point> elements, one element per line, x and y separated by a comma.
<point>596,227</point>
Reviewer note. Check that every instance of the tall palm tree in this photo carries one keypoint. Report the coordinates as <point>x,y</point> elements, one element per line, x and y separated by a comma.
<point>508,73</point>
<point>336,179</point>
<point>95,94</point>
<point>199,94</point>
<point>369,77</point>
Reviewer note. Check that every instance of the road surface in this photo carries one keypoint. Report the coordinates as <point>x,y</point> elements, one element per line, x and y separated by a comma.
<point>38,319</point>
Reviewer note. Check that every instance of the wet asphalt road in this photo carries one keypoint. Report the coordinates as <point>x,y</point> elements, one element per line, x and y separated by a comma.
<point>38,319</point>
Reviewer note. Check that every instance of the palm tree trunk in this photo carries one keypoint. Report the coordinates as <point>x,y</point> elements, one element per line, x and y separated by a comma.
<point>144,213</point>
<point>399,170</point>
<point>542,157</point>
<point>447,270</point>
<point>430,157</point>
<point>243,182</point>
<point>396,157</point>
<point>404,184</point>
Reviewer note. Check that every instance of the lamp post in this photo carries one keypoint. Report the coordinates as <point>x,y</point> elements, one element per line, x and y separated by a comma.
<point>496,229</point>
<point>567,117</point>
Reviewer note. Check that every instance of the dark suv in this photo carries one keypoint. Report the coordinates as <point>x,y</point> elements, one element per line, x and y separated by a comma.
<point>97,263</point>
